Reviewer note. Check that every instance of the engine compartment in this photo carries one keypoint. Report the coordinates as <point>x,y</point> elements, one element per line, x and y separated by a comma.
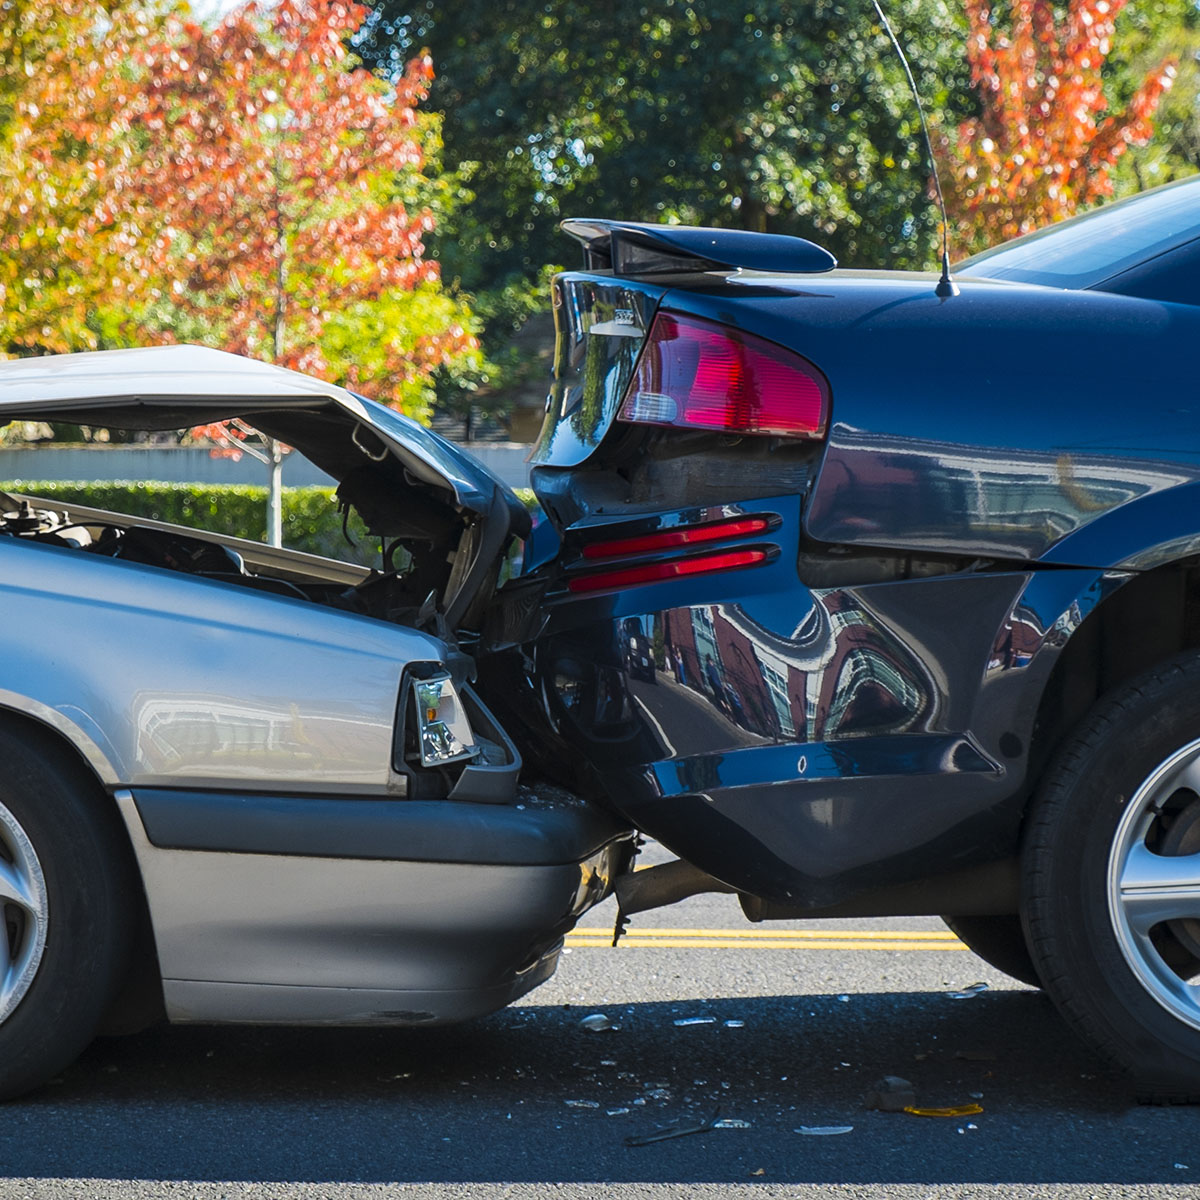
<point>404,590</point>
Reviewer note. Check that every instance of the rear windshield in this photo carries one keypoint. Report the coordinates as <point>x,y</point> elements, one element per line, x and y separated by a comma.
<point>1089,249</point>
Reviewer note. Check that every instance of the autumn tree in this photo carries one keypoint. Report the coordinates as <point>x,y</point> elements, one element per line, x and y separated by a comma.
<point>68,222</point>
<point>289,182</point>
<point>1045,141</point>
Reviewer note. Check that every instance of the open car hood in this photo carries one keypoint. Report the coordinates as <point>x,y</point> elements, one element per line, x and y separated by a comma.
<point>170,387</point>
<point>405,480</point>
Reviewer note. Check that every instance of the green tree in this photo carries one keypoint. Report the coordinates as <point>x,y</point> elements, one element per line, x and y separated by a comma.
<point>790,116</point>
<point>67,220</point>
<point>1147,32</point>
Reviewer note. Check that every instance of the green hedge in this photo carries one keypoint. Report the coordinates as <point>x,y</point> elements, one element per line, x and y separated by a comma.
<point>311,521</point>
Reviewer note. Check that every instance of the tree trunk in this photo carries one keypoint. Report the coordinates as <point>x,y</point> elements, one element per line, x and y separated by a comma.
<point>275,494</point>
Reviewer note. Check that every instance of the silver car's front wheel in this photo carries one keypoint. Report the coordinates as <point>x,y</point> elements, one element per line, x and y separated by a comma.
<point>25,910</point>
<point>67,903</point>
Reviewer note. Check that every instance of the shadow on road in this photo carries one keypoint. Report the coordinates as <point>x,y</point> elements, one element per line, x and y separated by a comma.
<point>511,1098</point>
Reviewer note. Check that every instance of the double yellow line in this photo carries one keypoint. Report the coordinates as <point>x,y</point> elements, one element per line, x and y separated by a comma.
<point>769,939</point>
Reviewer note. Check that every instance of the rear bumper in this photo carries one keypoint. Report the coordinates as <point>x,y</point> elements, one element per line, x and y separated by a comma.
<point>804,745</point>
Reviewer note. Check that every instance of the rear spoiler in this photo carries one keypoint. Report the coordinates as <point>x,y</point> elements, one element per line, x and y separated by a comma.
<point>637,248</point>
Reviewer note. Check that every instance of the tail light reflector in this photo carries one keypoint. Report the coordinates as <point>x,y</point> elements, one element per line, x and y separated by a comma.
<point>700,375</point>
<point>671,539</point>
<point>656,572</point>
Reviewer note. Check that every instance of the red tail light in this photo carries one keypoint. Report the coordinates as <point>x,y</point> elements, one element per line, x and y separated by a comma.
<point>701,375</point>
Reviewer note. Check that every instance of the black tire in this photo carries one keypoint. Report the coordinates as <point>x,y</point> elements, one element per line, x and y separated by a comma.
<point>1118,804</point>
<point>65,883</point>
<point>1000,942</point>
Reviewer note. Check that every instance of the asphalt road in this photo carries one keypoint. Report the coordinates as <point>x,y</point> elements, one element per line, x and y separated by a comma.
<point>530,1102</point>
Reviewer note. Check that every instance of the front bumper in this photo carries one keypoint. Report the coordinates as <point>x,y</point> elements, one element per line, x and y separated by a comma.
<point>362,911</point>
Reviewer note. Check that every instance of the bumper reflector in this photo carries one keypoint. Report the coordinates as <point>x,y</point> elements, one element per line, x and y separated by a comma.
<point>702,564</point>
<point>670,539</point>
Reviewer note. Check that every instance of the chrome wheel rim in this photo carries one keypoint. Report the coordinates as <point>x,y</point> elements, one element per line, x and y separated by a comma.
<point>23,909</point>
<point>1154,884</point>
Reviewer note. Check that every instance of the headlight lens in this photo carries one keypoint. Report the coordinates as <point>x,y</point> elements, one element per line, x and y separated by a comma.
<point>443,731</point>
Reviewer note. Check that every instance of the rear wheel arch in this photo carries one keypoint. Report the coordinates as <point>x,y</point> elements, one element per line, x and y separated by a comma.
<point>1145,622</point>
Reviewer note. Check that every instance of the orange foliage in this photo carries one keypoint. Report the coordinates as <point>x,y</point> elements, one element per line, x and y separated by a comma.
<point>67,223</point>
<point>1045,142</point>
<point>276,166</point>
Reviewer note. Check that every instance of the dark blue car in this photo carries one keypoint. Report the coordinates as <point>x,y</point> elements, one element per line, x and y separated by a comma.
<point>921,575</point>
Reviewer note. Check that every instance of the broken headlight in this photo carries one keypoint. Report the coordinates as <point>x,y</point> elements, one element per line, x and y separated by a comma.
<point>443,733</point>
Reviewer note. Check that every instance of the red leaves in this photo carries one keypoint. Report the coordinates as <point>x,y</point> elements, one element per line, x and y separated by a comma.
<point>277,166</point>
<point>1045,141</point>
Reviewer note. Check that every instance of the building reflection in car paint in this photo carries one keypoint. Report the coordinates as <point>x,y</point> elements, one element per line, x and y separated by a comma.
<point>910,493</point>
<point>840,674</point>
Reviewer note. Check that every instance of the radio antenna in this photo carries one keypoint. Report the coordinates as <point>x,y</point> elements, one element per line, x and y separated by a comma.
<point>946,286</point>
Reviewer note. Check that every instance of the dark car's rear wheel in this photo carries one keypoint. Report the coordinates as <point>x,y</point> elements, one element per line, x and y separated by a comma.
<point>1000,942</point>
<point>64,936</point>
<point>1112,880</point>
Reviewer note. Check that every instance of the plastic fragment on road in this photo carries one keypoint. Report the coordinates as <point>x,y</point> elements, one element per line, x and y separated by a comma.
<point>598,1023</point>
<point>969,992</point>
<point>735,1024</point>
<point>957,1110</point>
<point>673,1131</point>
<point>891,1094</point>
<point>845,999</point>
<point>582,1103</point>
<point>731,1123</point>
<point>615,1112</point>
<point>695,1021</point>
<point>823,1130</point>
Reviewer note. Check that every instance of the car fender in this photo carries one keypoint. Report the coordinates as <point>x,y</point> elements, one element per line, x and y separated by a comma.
<point>165,679</point>
<point>1145,533</point>
<point>88,748</point>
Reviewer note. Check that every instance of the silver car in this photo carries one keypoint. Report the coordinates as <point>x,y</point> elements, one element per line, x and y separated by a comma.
<point>245,784</point>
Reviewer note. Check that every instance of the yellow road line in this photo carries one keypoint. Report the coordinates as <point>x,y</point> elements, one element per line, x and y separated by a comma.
<point>782,935</point>
<point>628,942</point>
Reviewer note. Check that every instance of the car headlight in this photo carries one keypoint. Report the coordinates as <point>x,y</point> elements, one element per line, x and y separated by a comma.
<point>442,729</point>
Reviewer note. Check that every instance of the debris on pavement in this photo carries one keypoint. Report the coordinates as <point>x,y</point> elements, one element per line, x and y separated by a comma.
<point>598,1023</point>
<point>695,1021</point>
<point>735,1024</point>
<point>582,1103</point>
<point>969,992</point>
<point>823,1130</point>
<point>891,1094</point>
<point>673,1131</point>
<point>957,1110</point>
<point>731,1123</point>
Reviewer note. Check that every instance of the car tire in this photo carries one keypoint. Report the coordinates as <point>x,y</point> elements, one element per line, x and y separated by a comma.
<point>1113,926</point>
<point>65,887</point>
<point>1000,942</point>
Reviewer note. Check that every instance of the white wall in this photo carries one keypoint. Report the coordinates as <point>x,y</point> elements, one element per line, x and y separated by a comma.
<point>185,464</point>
